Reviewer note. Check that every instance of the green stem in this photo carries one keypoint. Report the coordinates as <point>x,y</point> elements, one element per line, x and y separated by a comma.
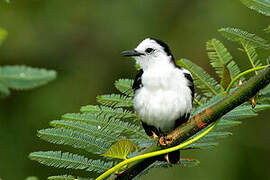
<point>156,153</point>
<point>249,57</point>
<point>197,102</point>
<point>242,74</point>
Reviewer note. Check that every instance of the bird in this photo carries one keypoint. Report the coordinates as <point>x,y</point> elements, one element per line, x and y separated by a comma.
<point>163,91</point>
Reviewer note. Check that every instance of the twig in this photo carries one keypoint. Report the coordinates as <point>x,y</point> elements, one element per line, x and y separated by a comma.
<point>203,119</point>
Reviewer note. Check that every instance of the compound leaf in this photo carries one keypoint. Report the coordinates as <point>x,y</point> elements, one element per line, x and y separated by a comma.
<point>75,139</point>
<point>94,131</point>
<point>261,6</point>
<point>124,86</point>
<point>22,77</point>
<point>241,36</point>
<point>69,161</point>
<point>115,100</point>
<point>67,177</point>
<point>108,111</point>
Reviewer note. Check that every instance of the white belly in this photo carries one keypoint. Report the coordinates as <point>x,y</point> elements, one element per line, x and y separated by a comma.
<point>163,98</point>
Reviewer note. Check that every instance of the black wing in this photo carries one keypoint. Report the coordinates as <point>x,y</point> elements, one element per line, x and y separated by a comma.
<point>189,77</point>
<point>137,84</point>
<point>191,85</point>
<point>186,116</point>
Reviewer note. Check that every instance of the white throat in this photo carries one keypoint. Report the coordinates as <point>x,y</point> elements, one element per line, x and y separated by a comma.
<point>159,59</point>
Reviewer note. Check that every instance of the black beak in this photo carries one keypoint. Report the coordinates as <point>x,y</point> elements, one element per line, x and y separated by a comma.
<point>132,52</point>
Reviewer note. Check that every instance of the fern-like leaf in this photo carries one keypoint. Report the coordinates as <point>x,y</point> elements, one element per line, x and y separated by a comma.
<point>128,129</point>
<point>234,69</point>
<point>241,112</point>
<point>119,113</point>
<point>261,6</point>
<point>241,36</point>
<point>202,80</point>
<point>185,162</point>
<point>22,77</point>
<point>94,131</point>
<point>75,139</point>
<point>226,124</point>
<point>115,100</point>
<point>67,177</point>
<point>69,161</point>
<point>206,145</point>
<point>124,86</point>
<point>252,55</point>
<point>220,58</point>
<point>214,136</point>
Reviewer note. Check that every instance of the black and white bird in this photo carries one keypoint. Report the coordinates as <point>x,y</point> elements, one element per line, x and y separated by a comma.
<point>163,91</point>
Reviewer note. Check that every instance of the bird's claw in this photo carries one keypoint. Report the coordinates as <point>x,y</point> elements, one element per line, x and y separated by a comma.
<point>155,136</point>
<point>165,140</point>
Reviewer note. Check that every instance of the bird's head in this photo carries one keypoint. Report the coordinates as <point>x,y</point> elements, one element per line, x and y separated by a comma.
<point>150,52</point>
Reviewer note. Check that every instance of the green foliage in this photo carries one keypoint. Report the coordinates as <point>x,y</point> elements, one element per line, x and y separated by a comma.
<point>188,162</point>
<point>120,149</point>
<point>106,134</point>
<point>3,35</point>
<point>67,177</point>
<point>222,62</point>
<point>75,139</point>
<point>124,86</point>
<point>69,161</point>
<point>185,162</point>
<point>252,55</point>
<point>105,123</point>
<point>208,145</point>
<point>31,178</point>
<point>267,30</point>
<point>227,124</point>
<point>202,80</point>
<point>4,91</point>
<point>115,100</point>
<point>214,136</point>
<point>244,37</point>
<point>108,111</point>
<point>261,6</point>
<point>22,78</point>
<point>110,132</point>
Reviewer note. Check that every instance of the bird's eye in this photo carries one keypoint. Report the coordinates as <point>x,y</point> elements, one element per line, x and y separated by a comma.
<point>149,50</point>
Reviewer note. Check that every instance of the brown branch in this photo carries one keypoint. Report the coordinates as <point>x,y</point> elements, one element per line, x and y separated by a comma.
<point>203,119</point>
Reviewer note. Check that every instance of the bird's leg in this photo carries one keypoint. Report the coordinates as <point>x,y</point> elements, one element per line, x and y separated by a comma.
<point>166,157</point>
<point>155,136</point>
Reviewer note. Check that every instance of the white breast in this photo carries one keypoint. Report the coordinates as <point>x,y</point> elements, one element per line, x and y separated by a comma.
<point>164,97</point>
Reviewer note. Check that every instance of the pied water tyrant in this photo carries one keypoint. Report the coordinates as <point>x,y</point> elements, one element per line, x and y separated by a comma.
<point>163,91</point>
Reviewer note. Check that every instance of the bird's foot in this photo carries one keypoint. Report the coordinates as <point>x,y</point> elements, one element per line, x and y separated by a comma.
<point>165,140</point>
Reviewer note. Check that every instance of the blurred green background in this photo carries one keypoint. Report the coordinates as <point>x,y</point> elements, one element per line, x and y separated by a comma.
<point>82,41</point>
